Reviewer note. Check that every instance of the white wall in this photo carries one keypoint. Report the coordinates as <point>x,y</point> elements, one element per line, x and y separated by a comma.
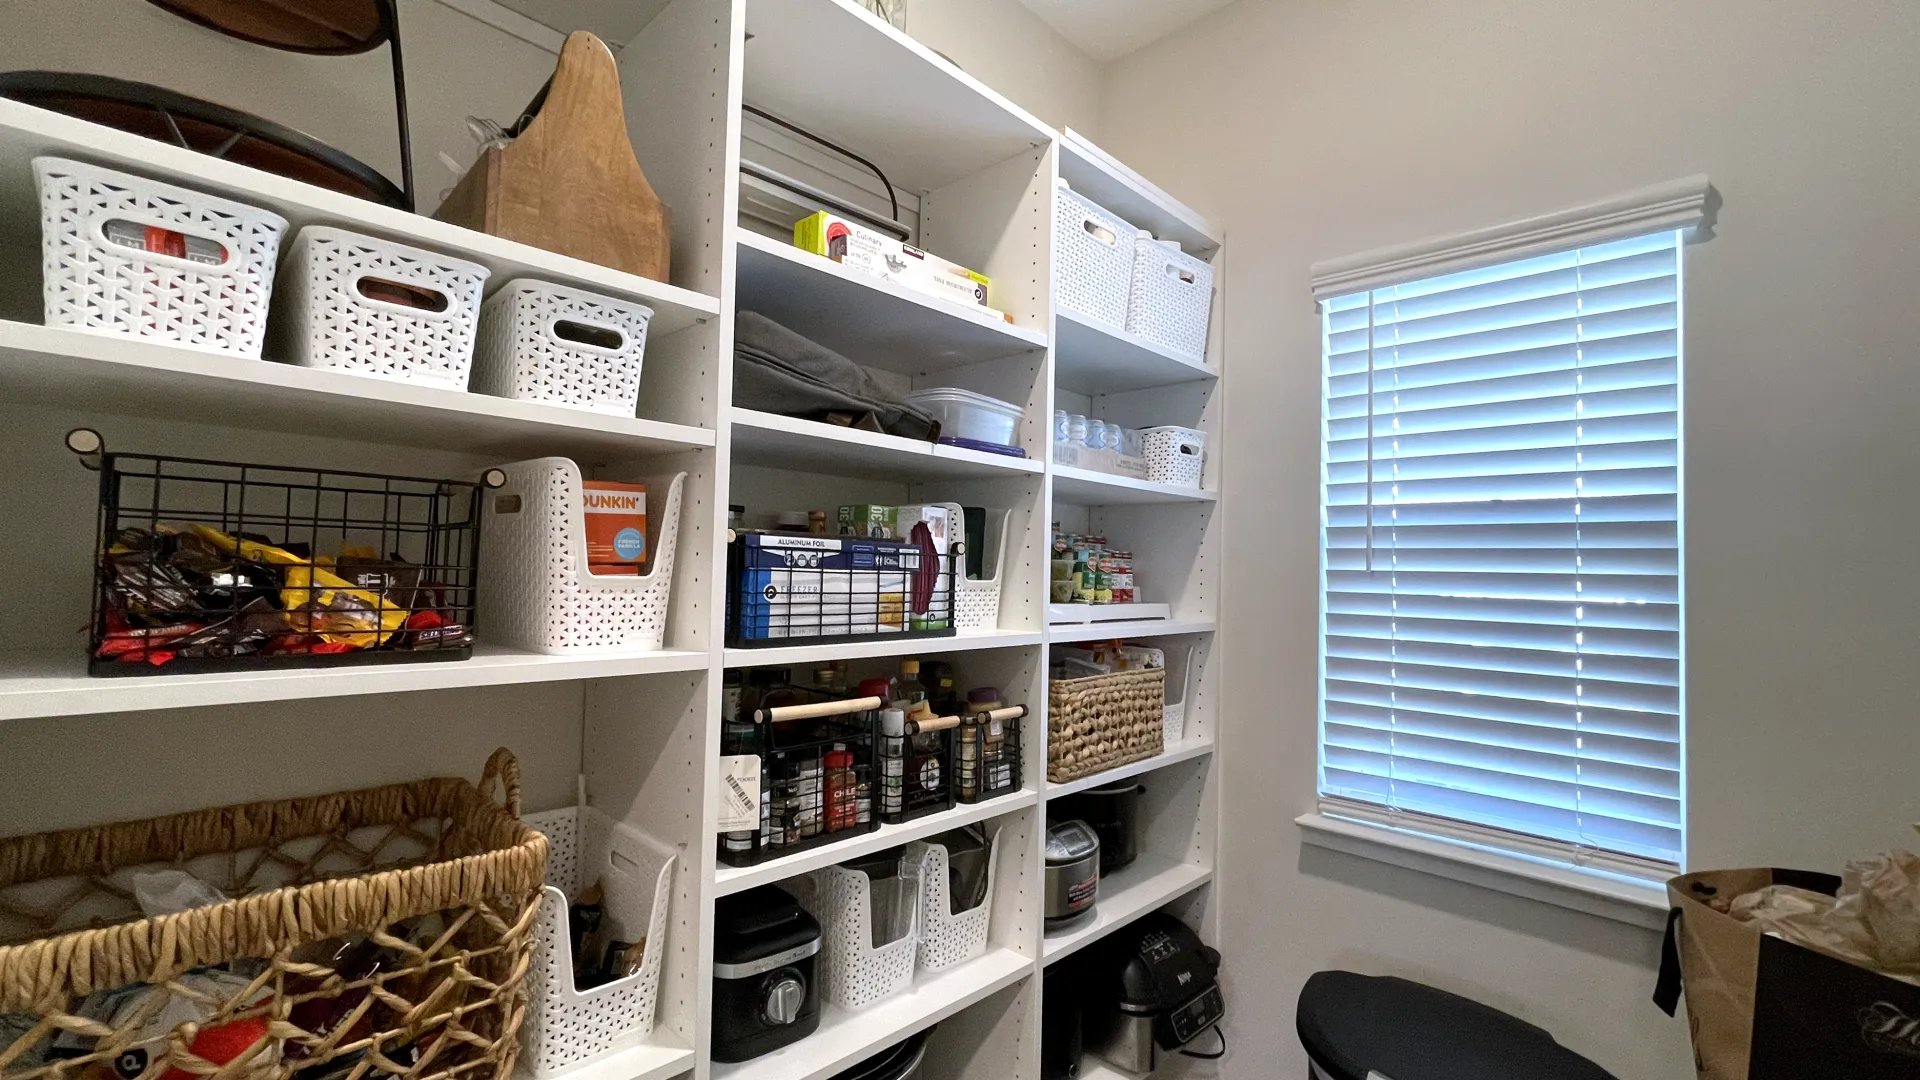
<point>1009,48</point>
<point>1318,128</point>
<point>456,66</point>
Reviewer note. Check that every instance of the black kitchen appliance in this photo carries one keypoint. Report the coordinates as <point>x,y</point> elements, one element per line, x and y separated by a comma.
<point>1152,988</point>
<point>1062,1006</point>
<point>1114,813</point>
<point>1072,874</point>
<point>765,995</point>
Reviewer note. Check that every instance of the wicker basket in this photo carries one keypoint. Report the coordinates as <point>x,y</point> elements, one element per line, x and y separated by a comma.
<point>1104,721</point>
<point>367,867</point>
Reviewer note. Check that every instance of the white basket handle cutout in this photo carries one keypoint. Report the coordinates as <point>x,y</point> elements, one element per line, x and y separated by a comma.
<point>1100,232</point>
<point>412,298</point>
<point>583,336</point>
<point>1186,276</point>
<point>192,246</point>
<point>1189,449</point>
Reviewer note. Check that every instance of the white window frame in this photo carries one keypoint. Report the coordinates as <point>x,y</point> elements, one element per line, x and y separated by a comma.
<point>1593,882</point>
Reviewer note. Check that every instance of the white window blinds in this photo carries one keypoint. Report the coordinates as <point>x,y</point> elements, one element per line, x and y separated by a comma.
<point>1501,547</point>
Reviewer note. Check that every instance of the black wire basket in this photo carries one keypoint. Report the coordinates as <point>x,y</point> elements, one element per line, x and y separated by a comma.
<point>205,566</point>
<point>816,774</point>
<point>804,588</point>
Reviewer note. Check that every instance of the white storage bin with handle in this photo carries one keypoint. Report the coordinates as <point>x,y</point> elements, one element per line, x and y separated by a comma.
<point>1175,455</point>
<point>373,307</point>
<point>536,589</point>
<point>964,414</point>
<point>567,1027</point>
<point>560,345</point>
<point>855,970</point>
<point>1171,300</point>
<point>1093,256</point>
<point>976,601</point>
<point>1173,714</point>
<point>949,938</point>
<point>208,285</point>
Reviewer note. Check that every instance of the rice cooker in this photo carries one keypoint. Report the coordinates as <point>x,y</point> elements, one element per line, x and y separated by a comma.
<point>1073,873</point>
<point>765,995</point>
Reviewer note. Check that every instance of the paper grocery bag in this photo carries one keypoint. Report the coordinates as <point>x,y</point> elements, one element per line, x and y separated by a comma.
<point>1762,1008</point>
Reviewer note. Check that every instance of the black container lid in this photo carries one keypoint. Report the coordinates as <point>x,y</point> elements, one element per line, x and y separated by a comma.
<point>759,922</point>
<point>1352,1025</point>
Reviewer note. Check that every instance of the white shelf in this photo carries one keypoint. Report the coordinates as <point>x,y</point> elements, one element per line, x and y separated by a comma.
<point>1097,175</point>
<point>846,1038</point>
<point>1092,1068</point>
<point>1092,358</point>
<point>797,655</point>
<point>733,879</point>
<point>63,367</point>
<point>1090,488</point>
<point>879,93</point>
<point>1185,750</point>
<point>1126,630</point>
<point>27,132</point>
<point>868,320</point>
<point>1125,895</point>
<point>786,442</point>
<point>644,1062</point>
<point>58,684</point>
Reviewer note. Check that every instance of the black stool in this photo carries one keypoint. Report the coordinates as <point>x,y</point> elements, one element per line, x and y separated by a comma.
<point>1353,1025</point>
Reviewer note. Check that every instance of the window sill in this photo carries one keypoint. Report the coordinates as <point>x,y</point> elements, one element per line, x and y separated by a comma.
<point>1609,896</point>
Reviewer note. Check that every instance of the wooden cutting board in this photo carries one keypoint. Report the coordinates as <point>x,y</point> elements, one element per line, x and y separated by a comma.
<point>570,182</point>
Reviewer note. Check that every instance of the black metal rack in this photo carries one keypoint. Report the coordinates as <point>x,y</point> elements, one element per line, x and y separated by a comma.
<point>806,588</point>
<point>816,772</point>
<point>206,565</point>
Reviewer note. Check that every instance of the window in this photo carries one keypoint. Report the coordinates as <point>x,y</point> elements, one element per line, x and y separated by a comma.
<point>1501,623</point>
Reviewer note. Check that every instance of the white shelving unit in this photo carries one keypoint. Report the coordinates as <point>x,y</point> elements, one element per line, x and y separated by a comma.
<point>640,732</point>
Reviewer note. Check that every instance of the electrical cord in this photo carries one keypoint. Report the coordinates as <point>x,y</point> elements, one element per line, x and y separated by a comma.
<point>1217,1054</point>
<point>833,146</point>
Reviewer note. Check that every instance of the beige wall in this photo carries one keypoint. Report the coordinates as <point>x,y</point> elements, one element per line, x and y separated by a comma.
<point>1010,49</point>
<point>1318,128</point>
<point>456,66</point>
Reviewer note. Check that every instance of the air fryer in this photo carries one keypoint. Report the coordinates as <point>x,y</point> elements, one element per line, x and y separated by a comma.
<point>1153,988</point>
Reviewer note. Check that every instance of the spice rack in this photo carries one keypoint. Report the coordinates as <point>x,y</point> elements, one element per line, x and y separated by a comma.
<point>637,734</point>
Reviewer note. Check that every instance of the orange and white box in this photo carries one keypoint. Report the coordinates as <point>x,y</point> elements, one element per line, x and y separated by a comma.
<point>616,523</point>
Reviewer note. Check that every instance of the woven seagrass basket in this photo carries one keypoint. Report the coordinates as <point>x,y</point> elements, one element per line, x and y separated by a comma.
<point>433,879</point>
<point>1104,721</point>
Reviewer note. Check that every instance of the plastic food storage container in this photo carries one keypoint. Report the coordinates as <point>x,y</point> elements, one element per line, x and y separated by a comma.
<point>964,414</point>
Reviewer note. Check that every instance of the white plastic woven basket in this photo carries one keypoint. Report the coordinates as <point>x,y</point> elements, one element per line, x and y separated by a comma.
<point>853,972</point>
<point>91,283</point>
<point>566,1027</point>
<point>1173,715</point>
<point>947,939</point>
<point>1171,300</point>
<point>536,591</point>
<point>1093,254</point>
<point>536,344</point>
<point>976,601</point>
<point>1175,455</point>
<point>326,320</point>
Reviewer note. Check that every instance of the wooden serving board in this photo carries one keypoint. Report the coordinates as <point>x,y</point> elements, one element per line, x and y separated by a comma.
<point>570,182</point>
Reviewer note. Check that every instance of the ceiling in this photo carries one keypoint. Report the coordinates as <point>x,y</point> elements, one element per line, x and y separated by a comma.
<point>1110,29</point>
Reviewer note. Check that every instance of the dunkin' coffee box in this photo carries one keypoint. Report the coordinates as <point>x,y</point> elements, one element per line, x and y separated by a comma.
<point>616,526</point>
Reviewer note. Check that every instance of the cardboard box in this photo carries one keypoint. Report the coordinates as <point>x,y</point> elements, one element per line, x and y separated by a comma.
<point>852,244</point>
<point>616,523</point>
<point>872,522</point>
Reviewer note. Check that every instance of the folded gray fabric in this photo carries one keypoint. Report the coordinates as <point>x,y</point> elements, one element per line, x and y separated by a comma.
<point>778,371</point>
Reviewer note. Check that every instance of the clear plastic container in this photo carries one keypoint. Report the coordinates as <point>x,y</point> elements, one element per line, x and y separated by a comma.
<point>964,414</point>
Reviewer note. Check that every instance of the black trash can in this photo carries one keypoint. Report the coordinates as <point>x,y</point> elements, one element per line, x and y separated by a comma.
<point>1353,1025</point>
